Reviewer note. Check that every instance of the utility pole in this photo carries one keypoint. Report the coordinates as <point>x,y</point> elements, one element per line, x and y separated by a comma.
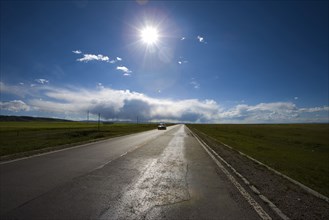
<point>137,119</point>
<point>88,116</point>
<point>99,119</point>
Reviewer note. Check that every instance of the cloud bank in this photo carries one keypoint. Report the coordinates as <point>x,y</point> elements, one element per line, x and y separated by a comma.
<point>14,106</point>
<point>127,105</point>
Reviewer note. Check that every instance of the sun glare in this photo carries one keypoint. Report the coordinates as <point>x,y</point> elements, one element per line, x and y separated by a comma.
<point>150,35</point>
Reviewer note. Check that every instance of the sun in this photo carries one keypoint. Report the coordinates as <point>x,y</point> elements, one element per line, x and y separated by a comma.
<point>150,35</point>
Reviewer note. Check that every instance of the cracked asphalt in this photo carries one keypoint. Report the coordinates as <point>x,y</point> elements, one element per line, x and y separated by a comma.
<point>151,175</point>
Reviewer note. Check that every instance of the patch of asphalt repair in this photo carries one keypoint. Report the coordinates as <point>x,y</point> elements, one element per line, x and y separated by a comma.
<point>280,194</point>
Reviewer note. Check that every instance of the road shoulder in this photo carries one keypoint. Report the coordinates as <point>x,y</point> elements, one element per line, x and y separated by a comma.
<point>288,197</point>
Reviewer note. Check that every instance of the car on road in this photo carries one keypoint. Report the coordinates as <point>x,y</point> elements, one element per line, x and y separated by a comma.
<point>162,126</point>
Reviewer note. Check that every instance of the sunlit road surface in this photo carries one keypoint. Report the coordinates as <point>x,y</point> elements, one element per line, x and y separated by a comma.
<point>150,175</point>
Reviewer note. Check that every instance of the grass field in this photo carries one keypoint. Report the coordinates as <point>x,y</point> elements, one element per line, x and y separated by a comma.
<point>301,151</point>
<point>18,137</point>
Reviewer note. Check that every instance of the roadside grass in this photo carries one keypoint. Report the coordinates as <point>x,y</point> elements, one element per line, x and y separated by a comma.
<point>300,151</point>
<point>19,137</point>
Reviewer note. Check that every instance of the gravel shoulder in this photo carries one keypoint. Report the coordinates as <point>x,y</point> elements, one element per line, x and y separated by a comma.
<point>290,198</point>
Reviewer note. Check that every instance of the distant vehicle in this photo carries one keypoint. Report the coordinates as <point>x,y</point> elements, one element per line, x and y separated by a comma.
<point>162,126</point>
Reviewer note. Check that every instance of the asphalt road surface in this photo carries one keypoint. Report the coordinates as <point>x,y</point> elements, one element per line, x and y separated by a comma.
<point>149,175</point>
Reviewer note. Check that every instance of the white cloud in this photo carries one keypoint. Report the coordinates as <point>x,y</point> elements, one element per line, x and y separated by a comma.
<point>90,57</point>
<point>276,112</point>
<point>123,69</point>
<point>262,111</point>
<point>195,84</point>
<point>14,106</point>
<point>42,81</point>
<point>93,57</point>
<point>183,38</point>
<point>296,98</point>
<point>18,90</point>
<point>122,104</point>
<point>201,39</point>
<point>77,51</point>
<point>117,59</point>
<point>182,61</point>
<point>99,86</point>
<point>315,109</point>
<point>126,105</point>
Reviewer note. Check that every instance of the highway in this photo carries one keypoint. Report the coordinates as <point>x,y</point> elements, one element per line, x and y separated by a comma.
<point>149,175</point>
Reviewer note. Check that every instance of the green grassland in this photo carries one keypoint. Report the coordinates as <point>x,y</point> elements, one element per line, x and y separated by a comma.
<point>18,137</point>
<point>301,151</point>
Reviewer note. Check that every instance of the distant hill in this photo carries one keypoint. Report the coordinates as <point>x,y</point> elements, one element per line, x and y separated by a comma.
<point>28,118</point>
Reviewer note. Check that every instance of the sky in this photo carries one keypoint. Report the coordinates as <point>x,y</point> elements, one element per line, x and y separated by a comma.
<point>174,61</point>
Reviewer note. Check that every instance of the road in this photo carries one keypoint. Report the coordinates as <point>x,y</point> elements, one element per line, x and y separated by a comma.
<point>149,175</point>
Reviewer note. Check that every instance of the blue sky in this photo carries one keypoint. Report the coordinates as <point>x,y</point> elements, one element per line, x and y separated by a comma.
<point>213,62</point>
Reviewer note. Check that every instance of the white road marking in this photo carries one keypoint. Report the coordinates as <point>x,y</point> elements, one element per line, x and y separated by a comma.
<point>306,188</point>
<point>259,210</point>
